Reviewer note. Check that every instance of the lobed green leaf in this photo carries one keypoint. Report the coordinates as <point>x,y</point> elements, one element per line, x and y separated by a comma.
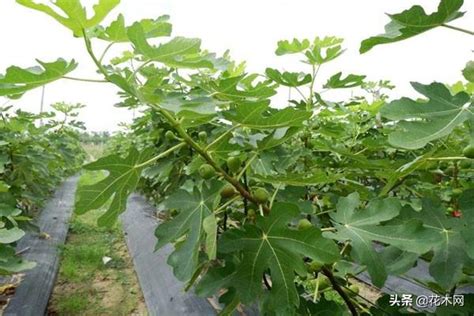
<point>413,22</point>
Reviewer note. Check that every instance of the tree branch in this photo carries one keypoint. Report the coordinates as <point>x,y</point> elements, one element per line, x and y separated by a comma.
<point>339,290</point>
<point>182,132</point>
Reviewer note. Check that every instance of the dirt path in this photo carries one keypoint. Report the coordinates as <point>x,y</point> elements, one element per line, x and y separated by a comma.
<point>96,274</point>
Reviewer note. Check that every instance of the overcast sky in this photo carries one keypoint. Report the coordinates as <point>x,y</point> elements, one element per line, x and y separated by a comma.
<point>250,29</point>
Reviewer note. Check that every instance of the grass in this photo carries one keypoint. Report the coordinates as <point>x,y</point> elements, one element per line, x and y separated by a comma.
<point>87,286</point>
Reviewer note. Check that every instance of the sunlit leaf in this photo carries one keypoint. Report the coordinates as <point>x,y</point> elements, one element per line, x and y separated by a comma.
<point>421,122</point>
<point>259,115</point>
<point>468,71</point>
<point>121,181</point>
<point>336,82</point>
<point>289,79</point>
<point>118,32</point>
<point>414,21</point>
<point>178,52</point>
<point>286,47</point>
<point>17,81</point>
<point>324,50</point>
<point>10,235</point>
<point>75,16</point>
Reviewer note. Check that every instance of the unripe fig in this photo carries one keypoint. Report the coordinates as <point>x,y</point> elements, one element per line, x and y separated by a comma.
<point>261,195</point>
<point>170,135</point>
<point>228,191</point>
<point>456,192</point>
<point>354,289</point>
<point>315,266</point>
<point>251,215</point>
<point>450,171</point>
<point>304,224</point>
<point>323,282</point>
<point>206,171</point>
<point>468,152</point>
<point>465,164</point>
<point>234,164</point>
<point>202,136</point>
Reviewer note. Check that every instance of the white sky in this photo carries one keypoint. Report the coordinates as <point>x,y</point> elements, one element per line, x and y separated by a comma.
<point>250,29</point>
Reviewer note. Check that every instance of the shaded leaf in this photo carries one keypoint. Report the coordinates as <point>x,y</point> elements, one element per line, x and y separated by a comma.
<point>449,250</point>
<point>11,263</point>
<point>193,209</point>
<point>397,261</point>
<point>270,244</point>
<point>277,137</point>
<point>364,226</point>
<point>312,178</point>
<point>210,228</point>
<point>466,206</point>
<point>193,108</point>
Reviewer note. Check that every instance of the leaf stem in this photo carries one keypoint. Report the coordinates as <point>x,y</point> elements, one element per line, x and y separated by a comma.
<point>83,79</point>
<point>448,158</point>
<point>105,51</point>
<point>163,154</point>
<point>223,206</point>
<point>315,72</point>
<point>135,72</point>
<point>316,291</point>
<point>247,165</point>
<point>324,212</point>
<point>221,136</point>
<point>458,29</point>
<point>272,199</point>
<point>101,68</point>
<point>300,93</point>
<point>328,229</point>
